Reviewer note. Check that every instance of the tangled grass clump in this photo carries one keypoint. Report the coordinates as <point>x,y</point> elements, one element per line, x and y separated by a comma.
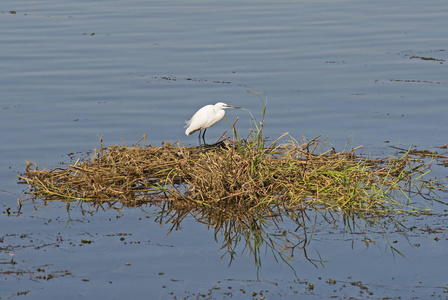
<point>240,176</point>
<point>243,187</point>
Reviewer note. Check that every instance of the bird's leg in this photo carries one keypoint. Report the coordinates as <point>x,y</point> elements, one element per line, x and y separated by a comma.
<point>199,138</point>
<point>203,137</point>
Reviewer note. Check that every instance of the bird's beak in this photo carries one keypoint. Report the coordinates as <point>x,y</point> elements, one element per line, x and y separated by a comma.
<point>231,106</point>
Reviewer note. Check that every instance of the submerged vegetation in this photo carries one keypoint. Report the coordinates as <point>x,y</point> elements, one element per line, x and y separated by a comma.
<point>245,187</point>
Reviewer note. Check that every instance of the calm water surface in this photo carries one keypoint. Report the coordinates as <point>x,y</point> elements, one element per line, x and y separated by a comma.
<point>372,73</point>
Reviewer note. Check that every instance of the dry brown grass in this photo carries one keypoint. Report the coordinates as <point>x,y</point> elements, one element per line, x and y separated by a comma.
<point>240,177</point>
<point>241,189</point>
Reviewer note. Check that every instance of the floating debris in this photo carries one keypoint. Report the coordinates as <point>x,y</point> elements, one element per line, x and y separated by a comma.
<point>239,175</point>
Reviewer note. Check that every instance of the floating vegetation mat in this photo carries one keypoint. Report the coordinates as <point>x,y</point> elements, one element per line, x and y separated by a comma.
<point>241,176</point>
<point>245,189</point>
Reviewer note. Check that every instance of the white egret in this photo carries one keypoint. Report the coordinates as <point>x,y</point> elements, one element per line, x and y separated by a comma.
<point>205,118</point>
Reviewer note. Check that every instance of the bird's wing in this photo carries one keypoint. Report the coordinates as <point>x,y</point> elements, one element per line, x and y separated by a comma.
<point>200,111</point>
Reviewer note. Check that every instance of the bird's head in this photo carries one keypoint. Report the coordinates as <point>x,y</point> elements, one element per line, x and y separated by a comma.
<point>221,105</point>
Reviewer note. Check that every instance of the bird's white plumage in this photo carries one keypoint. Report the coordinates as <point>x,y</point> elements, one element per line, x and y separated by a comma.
<point>206,117</point>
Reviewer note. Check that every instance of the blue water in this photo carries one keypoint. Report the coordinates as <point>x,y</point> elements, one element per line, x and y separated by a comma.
<point>371,73</point>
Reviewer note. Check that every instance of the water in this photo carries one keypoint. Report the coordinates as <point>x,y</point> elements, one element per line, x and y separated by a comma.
<point>373,73</point>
